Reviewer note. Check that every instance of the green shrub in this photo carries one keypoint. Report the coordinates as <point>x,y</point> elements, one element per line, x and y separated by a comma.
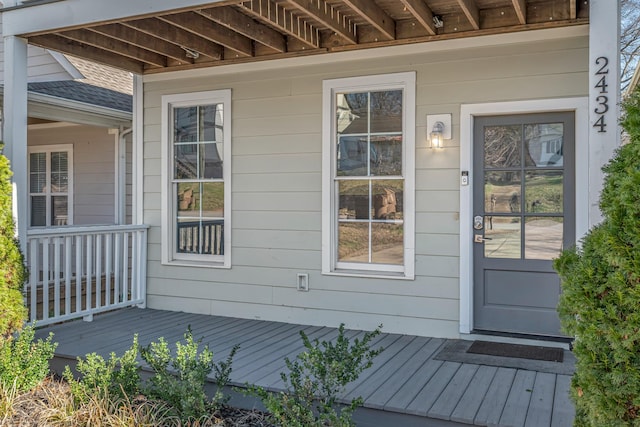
<point>117,377</point>
<point>600,301</point>
<point>179,380</point>
<point>13,272</point>
<point>23,362</point>
<point>315,379</point>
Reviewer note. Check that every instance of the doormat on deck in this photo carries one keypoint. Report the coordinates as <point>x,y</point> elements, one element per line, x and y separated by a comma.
<point>456,351</point>
<point>520,351</point>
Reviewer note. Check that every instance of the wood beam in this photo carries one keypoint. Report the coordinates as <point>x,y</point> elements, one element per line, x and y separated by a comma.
<point>520,7</point>
<point>573,9</point>
<point>178,36</point>
<point>470,9</point>
<point>198,24</point>
<point>273,14</point>
<point>422,13</point>
<point>115,46</point>
<point>64,45</point>
<point>329,17</point>
<point>243,24</point>
<point>375,16</point>
<point>140,39</point>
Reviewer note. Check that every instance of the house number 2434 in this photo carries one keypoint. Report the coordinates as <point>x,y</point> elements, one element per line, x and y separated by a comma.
<point>602,100</point>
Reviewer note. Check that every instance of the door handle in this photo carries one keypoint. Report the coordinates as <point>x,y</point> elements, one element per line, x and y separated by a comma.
<point>478,238</point>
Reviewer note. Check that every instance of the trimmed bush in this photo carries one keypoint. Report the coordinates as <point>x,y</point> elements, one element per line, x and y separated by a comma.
<point>600,301</point>
<point>13,272</point>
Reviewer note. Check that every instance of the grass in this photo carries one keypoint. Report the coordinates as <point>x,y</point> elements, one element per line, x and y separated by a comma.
<point>52,404</point>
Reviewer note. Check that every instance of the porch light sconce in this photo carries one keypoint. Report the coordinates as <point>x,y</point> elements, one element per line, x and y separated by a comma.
<point>439,129</point>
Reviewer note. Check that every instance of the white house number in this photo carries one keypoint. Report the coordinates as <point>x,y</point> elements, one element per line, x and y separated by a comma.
<point>602,100</point>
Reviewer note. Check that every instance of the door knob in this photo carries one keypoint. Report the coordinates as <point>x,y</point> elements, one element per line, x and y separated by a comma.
<point>478,238</point>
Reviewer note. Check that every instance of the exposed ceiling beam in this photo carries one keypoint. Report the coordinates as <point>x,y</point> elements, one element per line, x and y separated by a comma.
<point>282,19</point>
<point>82,50</point>
<point>375,16</point>
<point>172,34</point>
<point>329,17</point>
<point>470,9</point>
<point>241,23</point>
<point>521,10</point>
<point>143,40</point>
<point>212,31</point>
<point>422,13</point>
<point>116,46</point>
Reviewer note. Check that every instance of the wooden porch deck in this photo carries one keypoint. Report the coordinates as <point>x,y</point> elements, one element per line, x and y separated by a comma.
<point>409,384</point>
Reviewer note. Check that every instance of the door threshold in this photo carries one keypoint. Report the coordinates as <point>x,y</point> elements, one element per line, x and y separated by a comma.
<point>518,338</point>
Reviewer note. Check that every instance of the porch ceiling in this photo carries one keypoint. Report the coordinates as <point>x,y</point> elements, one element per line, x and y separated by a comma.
<point>236,31</point>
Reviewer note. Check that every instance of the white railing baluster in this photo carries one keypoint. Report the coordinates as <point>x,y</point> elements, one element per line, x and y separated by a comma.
<point>67,275</point>
<point>33,277</point>
<point>56,256</point>
<point>79,240</point>
<point>107,273</point>
<point>88,278</point>
<point>45,278</point>
<point>56,277</point>
<point>117,272</point>
<point>98,271</point>
<point>125,268</point>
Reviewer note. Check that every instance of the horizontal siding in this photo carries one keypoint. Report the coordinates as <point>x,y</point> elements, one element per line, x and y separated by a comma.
<point>277,183</point>
<point>93,168</point>
<point>41,66</point>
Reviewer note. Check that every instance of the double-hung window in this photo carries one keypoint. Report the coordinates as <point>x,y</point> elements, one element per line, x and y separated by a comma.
<point>51,185</point>
<point>368,175</point>
<point>197,178</point>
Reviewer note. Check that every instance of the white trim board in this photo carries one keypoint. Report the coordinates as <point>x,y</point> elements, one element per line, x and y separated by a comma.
<point>467,113</point>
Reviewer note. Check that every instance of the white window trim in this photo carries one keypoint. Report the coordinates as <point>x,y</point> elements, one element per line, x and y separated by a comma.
<point>467,114</point>
<point>169,255</point>
<point>68,148</point>
<point>406,82</point>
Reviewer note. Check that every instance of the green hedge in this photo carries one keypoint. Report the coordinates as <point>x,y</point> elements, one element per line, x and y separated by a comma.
<point>600,301</point>
<point>13,272</point>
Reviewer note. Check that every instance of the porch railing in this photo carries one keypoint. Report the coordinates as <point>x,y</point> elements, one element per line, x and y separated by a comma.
<point>76,272</point>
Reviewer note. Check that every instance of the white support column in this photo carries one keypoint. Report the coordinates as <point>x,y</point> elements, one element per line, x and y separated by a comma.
<point>604,94</point>
<point>15,127</point>
<point>137,166</point>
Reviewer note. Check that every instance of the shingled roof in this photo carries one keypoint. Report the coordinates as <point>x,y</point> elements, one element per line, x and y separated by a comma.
<point>102,86</point>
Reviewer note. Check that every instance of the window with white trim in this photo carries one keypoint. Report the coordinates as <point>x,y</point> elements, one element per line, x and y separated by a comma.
<point>197,176</point>
<point>51,185</point>
<point>368,175</point>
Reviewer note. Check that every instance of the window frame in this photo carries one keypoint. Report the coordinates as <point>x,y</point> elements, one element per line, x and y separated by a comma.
<point>407,83</point>
<point>48,150</point>
<point>169,205</point>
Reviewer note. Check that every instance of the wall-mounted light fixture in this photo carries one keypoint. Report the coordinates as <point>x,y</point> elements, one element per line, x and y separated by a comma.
<point>438,129</point>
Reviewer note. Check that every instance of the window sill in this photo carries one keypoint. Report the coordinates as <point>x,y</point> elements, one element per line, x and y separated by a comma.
<point>199,264</point>
<point>369,274</point>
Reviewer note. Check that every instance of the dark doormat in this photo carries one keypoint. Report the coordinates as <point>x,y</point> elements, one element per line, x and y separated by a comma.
<point>520,351</point>
<point>456,351</point>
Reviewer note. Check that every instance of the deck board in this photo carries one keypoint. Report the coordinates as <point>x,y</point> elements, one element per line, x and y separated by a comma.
<point>541,405</point>
<point>467,406</point>
<point>515,410</point>
<point>405,386</point>
<point>446,402</point>
<point>492,406</point>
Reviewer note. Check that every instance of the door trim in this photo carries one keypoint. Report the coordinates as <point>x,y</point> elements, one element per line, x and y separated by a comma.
<point>580,106</point>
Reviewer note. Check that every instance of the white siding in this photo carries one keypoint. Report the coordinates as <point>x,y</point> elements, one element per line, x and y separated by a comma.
<point>41,66</point>
<point>93,158</point>
<point>277,188</point>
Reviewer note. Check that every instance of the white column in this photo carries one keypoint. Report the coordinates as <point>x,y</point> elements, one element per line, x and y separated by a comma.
<point>137,161</point>
<point>604,94</point>
<point>15,127</point>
